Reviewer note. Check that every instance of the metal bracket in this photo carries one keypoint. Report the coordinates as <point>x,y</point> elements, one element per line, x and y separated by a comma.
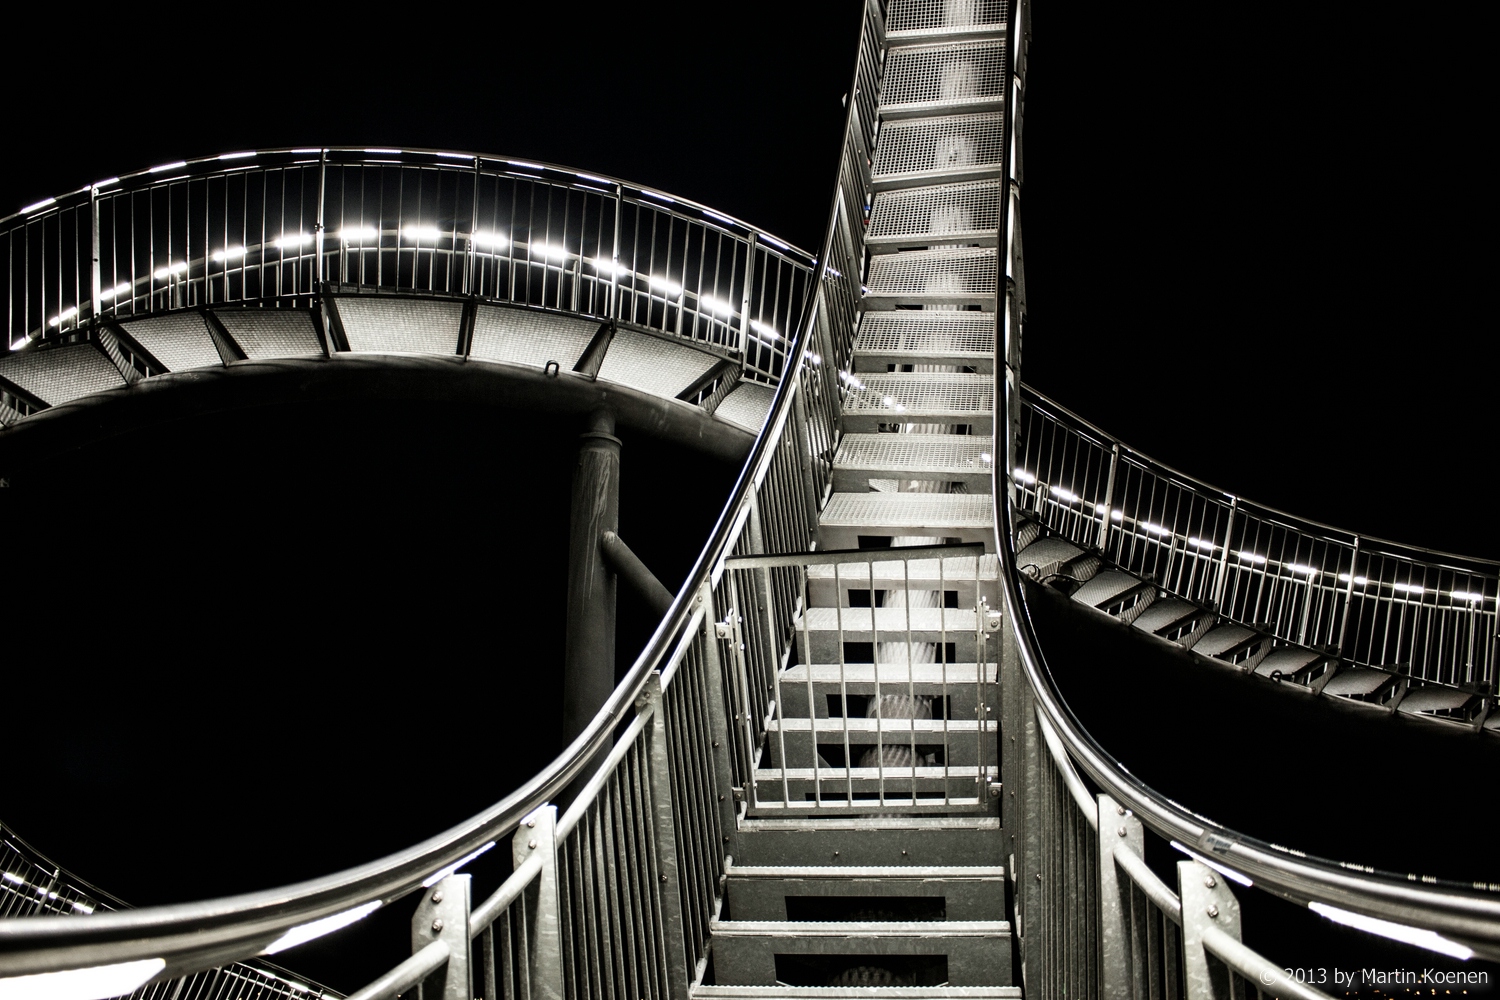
<point>443,915</point>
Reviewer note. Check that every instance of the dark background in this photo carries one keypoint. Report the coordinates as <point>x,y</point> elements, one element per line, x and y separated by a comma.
<point>1252,251</point>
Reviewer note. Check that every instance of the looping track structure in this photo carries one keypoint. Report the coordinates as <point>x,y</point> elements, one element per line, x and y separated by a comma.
<point>841,765</point>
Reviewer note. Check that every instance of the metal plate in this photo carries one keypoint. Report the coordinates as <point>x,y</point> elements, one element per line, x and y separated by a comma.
<point>953,145</point>
<point>956,75</point>
<point>179,341</point>
<point>529,337</point>
<point>939,274</point>
<point>917,16</point>
<point>944,212</point>
<point>264,334</point>
<point>390,325</point>
<point>63,373</point>
<point>653,365</point>
<point>746,406</point>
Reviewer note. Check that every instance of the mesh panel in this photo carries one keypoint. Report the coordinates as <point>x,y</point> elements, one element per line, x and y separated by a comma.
<point>937,146</point>
<point>943,272</point>
<point>909,395</point>
<point>891,621</point>
<point>915,452</point>
<point>61,374</point>
<point>909,510</point>
<point>653,365</point>
<point>931,15</point>
<point>951,75</point>
<point>8,415</point>
<point>404,326</point>
<point>952,209</point>
<point>272,333</point>
<point>927,333</point>
<point>527,337</point>
<point>179,342</point>
<point>747,406</point>
<point>956,569</point>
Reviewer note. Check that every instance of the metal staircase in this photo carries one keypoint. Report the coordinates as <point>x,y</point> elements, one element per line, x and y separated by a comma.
<point>889,694</point>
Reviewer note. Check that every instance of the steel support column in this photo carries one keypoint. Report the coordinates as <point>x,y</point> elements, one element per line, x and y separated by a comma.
<point>589,645</point>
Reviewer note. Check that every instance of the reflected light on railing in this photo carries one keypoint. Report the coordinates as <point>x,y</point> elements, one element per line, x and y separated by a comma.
<point>1204,544</point>
<point>421,234</point>
<point>1022,476</point>
<point>1431,940</point>
<point>235,156</point>
<point>716,306</point>
<point>63,316</point>
<point>1158,530</point>
<point>293,241</point>
<point>356,234</point>
<point>96,983</point>
<point>443,873</point>
<point>1360,580</point>
<point>1409,588</point>
<point>1467,595</point>
<point>1307,571</point>
<point>120,289</point>
<point>1228,873</point>
<point>491,241</point>
<point>606,267</point>
<point>665,287</point>
<point>317,928</point>
<point>1251,557</point>
<point>549,251</point>
<point>766,330</point>
<point>163,168</point>
<point>38,206</point>
<point>229,253</point>
<point>163,273</point>
<point>1066,496</point>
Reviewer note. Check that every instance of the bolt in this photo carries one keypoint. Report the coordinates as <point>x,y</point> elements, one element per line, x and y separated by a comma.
<point>531,823</point>
<point>721,798</point>
<point>726,838</point>
<point>716,742</point>
<point>663,878</point>
<point>1121,831</point>
<point>1038,876</point>
<point>1120,810</point>
<point>1213,911</point>
<point>903,854</point>
<point>531,845</point>
<point>1210,882</point>
<point>835,853</point>
<point>437,897</point>
<point>437,925</point>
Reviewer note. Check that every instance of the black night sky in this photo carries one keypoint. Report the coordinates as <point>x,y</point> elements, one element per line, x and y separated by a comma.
<point>1252,233</point>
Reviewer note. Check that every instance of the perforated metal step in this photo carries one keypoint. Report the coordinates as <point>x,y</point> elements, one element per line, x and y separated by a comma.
<point>920,151</point>
<point>933,20</point>
<point>849,992</point>
<point>947,77</point>
<point>960,892</point>
<point>746,406</point>
<point>950,276</point>
<point>967,516</point>
<point>389,324</point>
<point>265,334</point>
<point>179,341</point>
<point>654,364</point>
<point>930,216</point>
<point>925,337</point>
<point>954,458</point>
<point>947,398</point>
<point>61,374</point>
<point>968,577</point>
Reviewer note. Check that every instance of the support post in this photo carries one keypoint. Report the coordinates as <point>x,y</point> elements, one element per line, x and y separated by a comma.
<point>718,720</point>
<point>804,449</point>
<point>95,296</point>
<point>670,894</point>
<point>1118,827</point>
<point>1206,903</point>
<point>443,915</point>
<point>589,645</point>
<point>537,835</point>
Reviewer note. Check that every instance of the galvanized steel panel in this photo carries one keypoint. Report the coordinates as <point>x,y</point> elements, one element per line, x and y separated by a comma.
<point>529,337</point>
<point>179,341</point>
<point>653,365</point>
<point>63,373</point>
<point>264,334</point>
<point>390,325</point>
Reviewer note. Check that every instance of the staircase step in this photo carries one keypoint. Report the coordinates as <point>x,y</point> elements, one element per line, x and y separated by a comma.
<point>811,792</point>
<point>856,992</point>
<point>1106,587</point>
<point>943,78</point>
<point>829,586</point>
<point>969,517</point>
<point>961,742</point>
<point>959,683</point>
<point>871,840</point>
<point>977,952</point>
<point>925,337</point>
<point>954,893</point>
<point>965,213</point>
<point>947,458</point>
<point>945,276</point>
<point>943,20</point>
<point>1288,660</point>
<point>1166,614</point>
<point>917,152</point>
<point>948,398</point>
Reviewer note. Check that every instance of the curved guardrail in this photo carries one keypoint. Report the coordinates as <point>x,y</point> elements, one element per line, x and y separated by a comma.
<point>280,227</point>
<point>614,896</point>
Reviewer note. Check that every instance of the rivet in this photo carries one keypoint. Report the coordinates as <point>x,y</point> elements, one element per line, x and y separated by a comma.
<point>1210,882</point>
<point>531,823</point>
<point>726,838</point>
<point>1038,876</point>
<point>531,845</point>
<point>1120,810</point>
<point>716,742</point>
<point>437,897</point>
<point>1213,911</point>
<point>437,925</point>
<point>903,854</point>
<point>835,853</point>
<point>1121,831</point>
<point>721,798</point>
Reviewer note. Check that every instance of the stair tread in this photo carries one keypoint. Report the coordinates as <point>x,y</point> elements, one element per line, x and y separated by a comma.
<point>908,510</point>
<point>854,992</point>
<point>955,569</point>
<point>981,872</point>
<point>956,453</point>
<point>1224,638</point>
<point>887,620</point>
<point>918,151</point>
<point>922,216</point>
<point>941,274</point>
<point>869,727</point>
<point>861,928</point>
<point>890,673</point>
<point>1104,587</point>
<point>943,77</point>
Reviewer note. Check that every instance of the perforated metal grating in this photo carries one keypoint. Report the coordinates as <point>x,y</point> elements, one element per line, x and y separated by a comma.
<point>907,395</point>
<point>746,406</point>
<point>401,326</point>
<point>927,333</point>
<point>955,144</point>
<point>909,510</point>
<point>890,620</point>
<point>938,15</point>
<point>653,365</point>
<point>528,337</point>
<point>955,570</point>
<point>264,334</point>
<point>947,271</point>
<point>952,75</point>
<point>970,208</point>
<point>180,341</point>
<point>63,373</point>
<point>916,452</point>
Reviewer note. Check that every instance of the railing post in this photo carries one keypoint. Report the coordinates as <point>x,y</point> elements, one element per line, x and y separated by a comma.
<point>443,915</point>
<point>1109,499</point>
<point>1118,946</point>
<point>745,298</point>
<point>537,835</point>
<point>1206,902</point>
<point>94,297</point>
<point>1349,595</point>
<point>1223,577</point>
<point>669,894</point>
<point>805,455</point>
<point>718,721</point>
<point>318,225</point>
<point>614,271</point>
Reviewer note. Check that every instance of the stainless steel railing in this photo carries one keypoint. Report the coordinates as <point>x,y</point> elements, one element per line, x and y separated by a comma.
<point>277,226</point>
<point>1428,616</point>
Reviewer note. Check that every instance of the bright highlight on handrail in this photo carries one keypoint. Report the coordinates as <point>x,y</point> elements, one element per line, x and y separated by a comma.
<point>96,983</point>
<point>303,933</point>
<point>1430,940</point>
